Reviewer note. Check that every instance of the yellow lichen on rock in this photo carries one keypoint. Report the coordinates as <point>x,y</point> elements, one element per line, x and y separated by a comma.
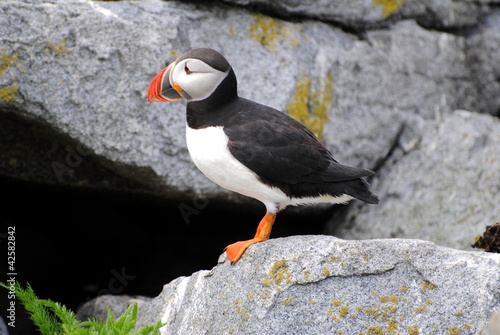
<point>6,61</point>
<point>243,311</point>
<point>336,302</point>
<point>59,48</point>
<point>427,285</point>
<point>413,330</point>
<point>388,6</point>
<point>454,331</point>
<point>7,93</point>
<point>232,29</point>
<point>312,108</point>
<point>277,273</point>
<point>343,311</point>
<point>174,53</point>
<point>266,31</point>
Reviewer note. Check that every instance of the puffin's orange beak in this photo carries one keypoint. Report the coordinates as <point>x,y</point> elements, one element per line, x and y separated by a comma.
<point>161,89</point>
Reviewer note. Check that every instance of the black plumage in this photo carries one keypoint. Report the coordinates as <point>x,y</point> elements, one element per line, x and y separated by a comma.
<point>280,150</point>
<point>250,148</point>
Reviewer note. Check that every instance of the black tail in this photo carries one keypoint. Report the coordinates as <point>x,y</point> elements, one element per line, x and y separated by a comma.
<point>358,188</point>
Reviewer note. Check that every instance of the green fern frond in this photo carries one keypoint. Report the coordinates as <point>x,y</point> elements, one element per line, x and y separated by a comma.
<point>41,316</point>
<point>52,318</point>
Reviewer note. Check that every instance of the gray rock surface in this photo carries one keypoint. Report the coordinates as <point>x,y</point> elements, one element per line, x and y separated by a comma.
<point>366,14</point>
<point>494,325</point>
<point>82,69</point>
<point>117,304</point>
<point>324,285</point>
<point>442,184</point>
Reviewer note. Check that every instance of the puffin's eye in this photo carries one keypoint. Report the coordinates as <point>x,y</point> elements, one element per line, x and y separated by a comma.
<point>187,70</point>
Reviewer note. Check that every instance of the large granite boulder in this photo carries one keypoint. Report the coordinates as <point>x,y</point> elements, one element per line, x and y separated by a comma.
<point>324,285</point>
<point>441,183</point>
<point>81,69</point>
<point>375,80</point>
<point>366,14</point>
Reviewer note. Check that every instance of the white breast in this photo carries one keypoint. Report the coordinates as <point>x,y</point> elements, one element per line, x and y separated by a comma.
<point>209,152</point>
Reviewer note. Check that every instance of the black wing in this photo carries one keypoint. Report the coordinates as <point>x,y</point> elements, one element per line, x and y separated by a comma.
<point>280,149</point>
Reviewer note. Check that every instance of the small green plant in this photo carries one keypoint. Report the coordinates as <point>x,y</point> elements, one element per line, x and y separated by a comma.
<point>52,318</point>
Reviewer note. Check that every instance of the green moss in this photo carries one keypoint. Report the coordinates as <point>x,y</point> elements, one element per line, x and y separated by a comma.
<point>312,108</point>
<point>389,7</point>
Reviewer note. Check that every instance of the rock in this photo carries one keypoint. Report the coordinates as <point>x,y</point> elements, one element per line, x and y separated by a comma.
<point>117,304</point>
<point>494,325</point>
<point>441,184</point>
<point>3,327</point>
<point>484,62</point>
<point>82,69</point>
<point>324,285</point>
<point>367,14</point>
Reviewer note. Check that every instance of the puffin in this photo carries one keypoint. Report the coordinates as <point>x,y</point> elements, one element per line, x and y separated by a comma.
<point>250,148</point>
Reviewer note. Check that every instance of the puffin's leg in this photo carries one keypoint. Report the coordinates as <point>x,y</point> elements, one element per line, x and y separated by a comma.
<point>235,250</point>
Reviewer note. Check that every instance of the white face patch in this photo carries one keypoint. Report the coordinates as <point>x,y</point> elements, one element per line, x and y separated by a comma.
<point>196,78</point>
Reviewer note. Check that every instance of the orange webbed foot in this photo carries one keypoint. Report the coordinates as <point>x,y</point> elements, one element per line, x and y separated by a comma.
<point>235,251</point>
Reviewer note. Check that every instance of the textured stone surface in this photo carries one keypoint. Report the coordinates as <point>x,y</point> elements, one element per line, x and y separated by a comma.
<point>322,285</point>
<point>117,304</point>
<point>494,325</point>
<point>367,14</point>
<point>441,184</point>
<point>484,61</point>
<point>83,68</point>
